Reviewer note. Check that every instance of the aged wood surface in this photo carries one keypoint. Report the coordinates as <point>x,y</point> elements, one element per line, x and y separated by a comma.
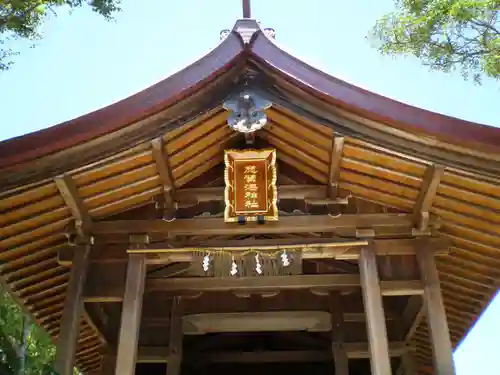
<point>383,168</point>
<point>408,363</point>
<point>288,224</point>
<point>165,172</point>
<point>334,171</point>
<point>72,313</point>
<point>426,196</point>
<point>354,351</point>
<point>339,352</point>
<point>338,249</point>
<point>375,320</point>
<point>175,337</point>
<point>108,364</point>
<point>436,315</point>
<point>114,292</point>
<point>131,316</point>
<point>69,192</point>
<point>132,109</point>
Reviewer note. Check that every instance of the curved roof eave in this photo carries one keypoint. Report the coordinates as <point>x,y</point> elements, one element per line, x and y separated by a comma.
<point>374,106</point>
<point>148,102</point>
<point>247,38</point>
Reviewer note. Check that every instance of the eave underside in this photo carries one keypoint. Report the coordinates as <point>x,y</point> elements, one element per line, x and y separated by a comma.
<point>33,218</point>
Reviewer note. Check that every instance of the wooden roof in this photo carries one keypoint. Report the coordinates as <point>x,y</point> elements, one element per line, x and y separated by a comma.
<point>388,148</point>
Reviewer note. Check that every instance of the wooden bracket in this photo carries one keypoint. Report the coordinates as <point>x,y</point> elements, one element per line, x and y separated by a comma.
<point>139,241</point>
<point>69,192</point>
<point>365,233</point>
<point>428,190</point>
<point>334,171</point>
<point>164,170</point>
<point>250,138</point>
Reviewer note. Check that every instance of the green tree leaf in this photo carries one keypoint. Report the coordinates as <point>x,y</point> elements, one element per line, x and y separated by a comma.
<point>21,19</point>
<point>445,34</point>
<point>40,352</point>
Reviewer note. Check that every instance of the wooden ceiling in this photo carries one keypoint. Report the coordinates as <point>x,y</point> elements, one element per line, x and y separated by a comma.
<point>380,163</point>
<point>33,219</point>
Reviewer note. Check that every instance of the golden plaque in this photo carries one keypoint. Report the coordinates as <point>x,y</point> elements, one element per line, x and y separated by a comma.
<point>251,192</point>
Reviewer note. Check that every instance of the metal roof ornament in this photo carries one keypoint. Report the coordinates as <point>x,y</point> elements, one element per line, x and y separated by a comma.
<point>246,111</point>
<point>270,32</point>
<point>224,34</point>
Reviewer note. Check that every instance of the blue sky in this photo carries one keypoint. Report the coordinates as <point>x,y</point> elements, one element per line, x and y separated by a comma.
<point>84,63</point>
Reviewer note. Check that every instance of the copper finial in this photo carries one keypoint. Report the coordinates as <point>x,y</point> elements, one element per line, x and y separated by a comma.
<point>246,9</point>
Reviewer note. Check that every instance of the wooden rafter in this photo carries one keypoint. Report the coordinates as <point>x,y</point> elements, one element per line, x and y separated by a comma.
<point>165,171</point>
<point>466,202</point>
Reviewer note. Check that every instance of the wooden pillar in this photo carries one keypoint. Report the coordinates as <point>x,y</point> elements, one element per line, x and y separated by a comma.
<point>375,319</point>
<point>340,359</point>
<point>72,313</point>
<point>131,315</point>
<point>175,338</point>
<point>108,364</point>
<point>408,363</point>
<point>436,314</point>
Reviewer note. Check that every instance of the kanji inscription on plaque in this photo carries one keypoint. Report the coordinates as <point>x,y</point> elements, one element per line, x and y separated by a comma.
<point>250,177</point>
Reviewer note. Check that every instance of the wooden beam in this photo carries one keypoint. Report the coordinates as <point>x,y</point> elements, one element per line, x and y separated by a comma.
<point>131,315</point>
<point>72,313</point>
<point>375,320</point>
<point>354,351</point>
<point>175,337</point>
<point>436,314</point>
<point>273,283</point>
<point>255,284</point>
<point>348,317</point>
<point>318,283</point>
<point>341,361</point>
<point>403,288</point>
<point>382,247</point>
<point>165,171</point>
<point>334,170</point>
<point>393,223</point>
<point>428,191</point>
<point>169,270</point>
<point>192,196</point>
<point>69,192</point>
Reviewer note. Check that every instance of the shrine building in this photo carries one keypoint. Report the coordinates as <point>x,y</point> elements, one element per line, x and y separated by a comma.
<point>253,214</point>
